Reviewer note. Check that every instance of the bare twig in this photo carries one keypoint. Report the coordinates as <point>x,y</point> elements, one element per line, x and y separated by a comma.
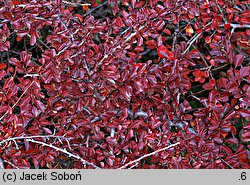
<point>64,49</point>
<point>194,38</point>
<point>32,137</point>
<point>65,152</point>
<point>239,25</point>
<point>133,166</point>
<point>195,97</point>
<point>201,91</point>
<point>75,4</point>
<point>66,28</point>
<point>95,8</point>
<point>220,67</point>
<point>40,40</point>
<point>11,164</point>
<point>191,42</point>
<point>147,155</point>
<point>226,163</point>
<point>31,75</point>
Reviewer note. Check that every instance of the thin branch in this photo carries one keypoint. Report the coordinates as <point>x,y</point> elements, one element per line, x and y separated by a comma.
<point>95,8</point>
<point>195,97</point>
<point>75,4</point>
<point>31,75</point>
<point>201,91</point>
<point>191,42</point>
<point>220,67</point>
<point>32,137</point>
<point>147,155</point>
<point>64,49</point>
<point>239,25</point>
<point>133,166</point>
<point>40,40</point>
<point>65,152</point>
<point>194,38</point>
<point>226,163</point>
<point>11,164</point>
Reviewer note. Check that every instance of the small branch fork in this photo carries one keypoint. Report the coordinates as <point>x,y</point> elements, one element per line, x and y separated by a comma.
<point>149,154</point>
<point>31,139</point>
<point>195,37</point>
<point>65,152</point>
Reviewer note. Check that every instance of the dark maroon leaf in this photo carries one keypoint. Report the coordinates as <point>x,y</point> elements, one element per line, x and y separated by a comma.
<point>238,60</point>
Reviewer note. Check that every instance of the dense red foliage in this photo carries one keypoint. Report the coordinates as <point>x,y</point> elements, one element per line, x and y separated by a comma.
<point>93,84</point>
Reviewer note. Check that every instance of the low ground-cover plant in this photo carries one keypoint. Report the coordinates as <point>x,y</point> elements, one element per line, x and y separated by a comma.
<point>124,84</point>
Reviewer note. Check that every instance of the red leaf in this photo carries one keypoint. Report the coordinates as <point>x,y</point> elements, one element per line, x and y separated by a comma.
<point>21,34</point>
<point>47,131</point>
<point>245,113</point>
<point>35,111</point>
<point>232,141</point>
<point>227,26</point>
<point>151,44</point>
<point>4,46</point>
<point>2,65</point>
<point>139,4</point>
<point>220,59</point>
<point>140,40</point>
<point>14,62</point>
<point>245,101</point>
<point>163,52</point>
<point>167,31</point>
<point>159,25</point>
<point>9,82</point>
<point>16,2</point>
<point>126,93</point>
<point>25,57</point>
<point>210,85</point>
<point>199,76</point>
<point>27,145</point>
<point>208,39</point>
<point>227,150</point>
<point>36,163</point>
<point>139,49</point>
<point>2,74</point>
<point>32,39</point>
<point>245,135</point>
<point>218,140</point>
<point>245,20</point>
<point>111,140</point>
<point>238,59</point>
<point>194,53</point>
<point>244,71</point>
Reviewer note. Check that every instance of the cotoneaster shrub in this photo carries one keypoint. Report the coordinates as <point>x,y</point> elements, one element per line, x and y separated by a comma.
<point>89,87</point>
